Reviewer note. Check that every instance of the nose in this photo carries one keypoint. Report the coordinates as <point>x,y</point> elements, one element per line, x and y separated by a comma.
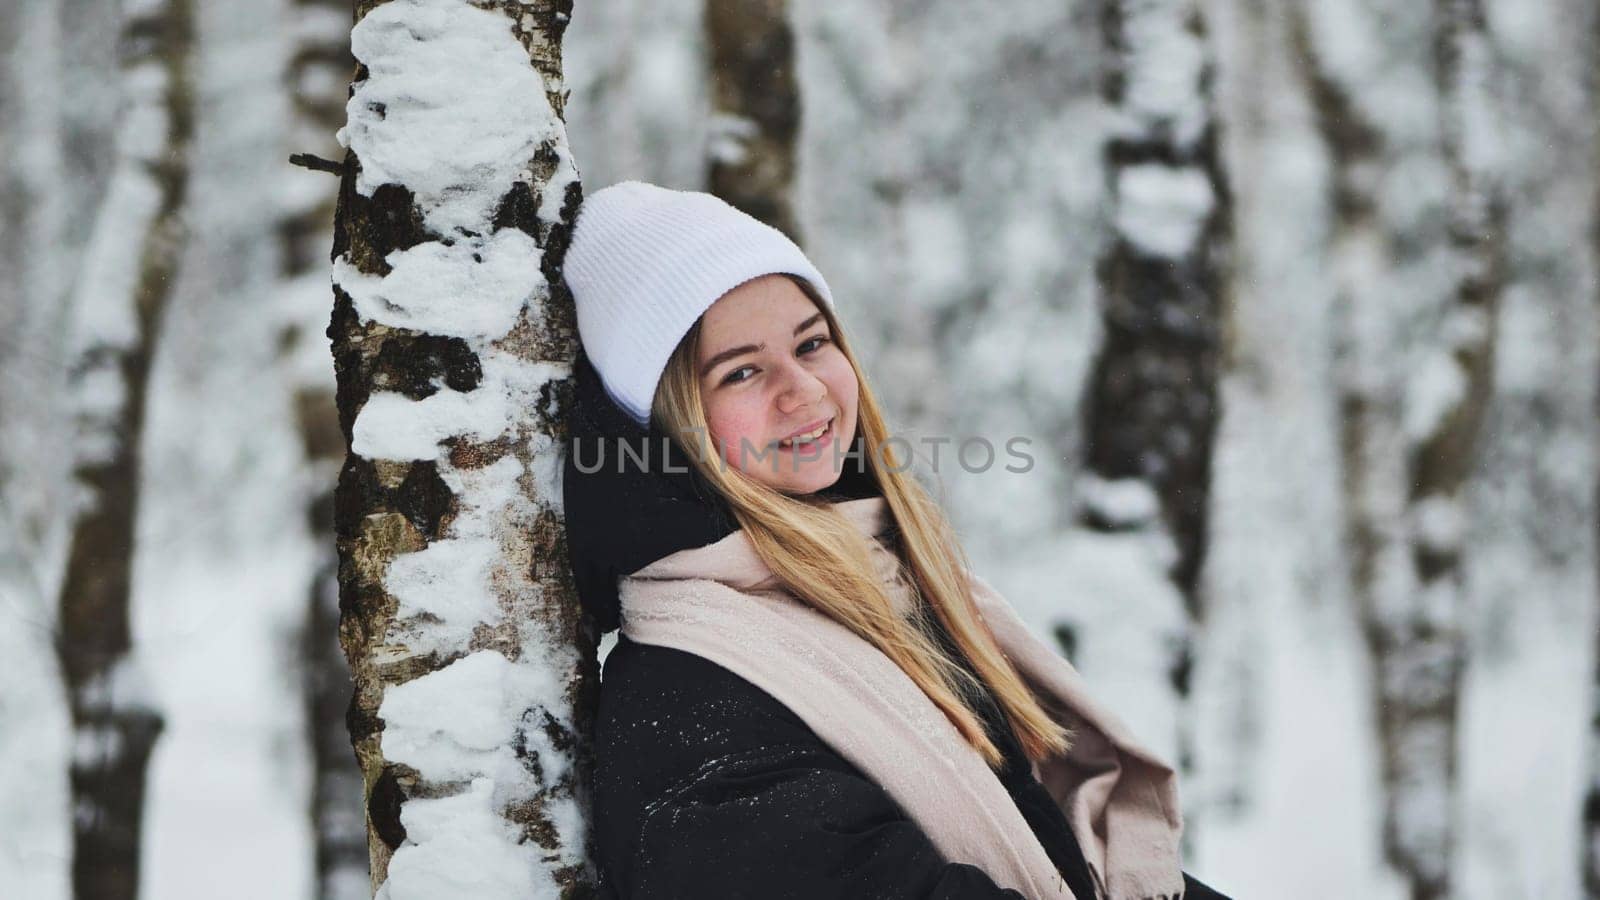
<point>801,390</point>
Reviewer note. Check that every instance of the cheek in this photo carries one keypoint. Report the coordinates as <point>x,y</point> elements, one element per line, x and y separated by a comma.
<point>732,419</point>
<point>842,384</point>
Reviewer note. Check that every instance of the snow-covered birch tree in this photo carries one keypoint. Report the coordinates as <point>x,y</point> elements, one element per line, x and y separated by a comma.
<point>453,340</point>
<point>128,274</point>
<point>1417,635</point>
<point>1529,564</point>
<point>1416,250</point>
<point>316,80</point>
<point>756,105</point>
<point>1151,402</point>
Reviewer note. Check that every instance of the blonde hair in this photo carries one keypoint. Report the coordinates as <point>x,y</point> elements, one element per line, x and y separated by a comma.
<point>825,561</point>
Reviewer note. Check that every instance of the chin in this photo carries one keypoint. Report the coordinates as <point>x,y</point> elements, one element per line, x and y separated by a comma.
<point>809,485</point>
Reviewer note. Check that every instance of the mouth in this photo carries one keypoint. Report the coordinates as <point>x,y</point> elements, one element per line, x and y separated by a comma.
<point>810,439</point>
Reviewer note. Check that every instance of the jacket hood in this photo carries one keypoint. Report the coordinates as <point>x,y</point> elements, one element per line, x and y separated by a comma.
<point>642,499</point>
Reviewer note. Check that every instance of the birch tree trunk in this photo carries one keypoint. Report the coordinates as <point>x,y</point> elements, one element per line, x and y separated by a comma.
<point>755,98</point>
<point>1151,408</point>
<point>130,268</point>
<point>453,339</point>
<point>1409,421</point>
<point>317,76</point>
<point>1419,643</point>
<point>1530,498</point>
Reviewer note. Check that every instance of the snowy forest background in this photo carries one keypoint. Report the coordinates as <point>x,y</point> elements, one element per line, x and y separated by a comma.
<point>1296,300</point>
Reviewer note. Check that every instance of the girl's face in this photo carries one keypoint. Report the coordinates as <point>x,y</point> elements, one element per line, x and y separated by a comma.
<point>769,371</point>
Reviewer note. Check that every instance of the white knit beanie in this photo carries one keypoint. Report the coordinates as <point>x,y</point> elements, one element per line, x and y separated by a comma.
<point>645,261</point>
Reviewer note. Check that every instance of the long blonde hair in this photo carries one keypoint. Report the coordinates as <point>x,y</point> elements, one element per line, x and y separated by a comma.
<point>823,560</point>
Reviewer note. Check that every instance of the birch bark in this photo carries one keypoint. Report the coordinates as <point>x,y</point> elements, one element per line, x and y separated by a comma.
<point>1151,403</point>
<point>756,108</point>
<point>130,267</point>
<point>453,338</point>
<point>1415,351</point>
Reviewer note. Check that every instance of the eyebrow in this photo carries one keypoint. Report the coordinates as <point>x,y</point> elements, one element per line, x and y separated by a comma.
<point>726,355</point>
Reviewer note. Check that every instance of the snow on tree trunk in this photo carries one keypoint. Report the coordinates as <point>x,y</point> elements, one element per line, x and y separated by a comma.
<point>1419,642</point>
<point>1151,407</point>
<point>1410,418</point>
<point>453,339</point>
<point>317,78</point>
<point>129,271</point>
<point>755,99</point>
<point>1530,571</point>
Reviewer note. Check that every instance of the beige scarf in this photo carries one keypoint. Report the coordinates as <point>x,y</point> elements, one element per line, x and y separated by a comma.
<point>722,603</point>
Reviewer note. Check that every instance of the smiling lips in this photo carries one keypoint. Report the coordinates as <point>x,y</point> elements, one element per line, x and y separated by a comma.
<point>804,437</point>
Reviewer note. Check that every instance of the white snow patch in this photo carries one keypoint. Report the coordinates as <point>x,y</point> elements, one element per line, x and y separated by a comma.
<point>393,426</point>
<point>1481,121</point>
<point>447,588</point>
<point>1161,209</point>
<point>1439,523</point>
<point>472,288</point>
<point>451,109</point>
<point>729,138</point>
<point>464,722</point>
<point>123,686</point>
<point>143,131</point>
<point>487,495</point>
<point>1435,391</point>
<point>95,745</point>
<point>99,393</point>
<point>548,458</point>
<point>103,311</point>
<point>1122,502</point>
<point>460,847</point>
<point>1439,604</point>
<point>448,579</point>
<point>1163,64</point>
<point>460,721</point>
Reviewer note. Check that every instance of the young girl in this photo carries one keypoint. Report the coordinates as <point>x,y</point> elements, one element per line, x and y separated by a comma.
<point>811,696</point>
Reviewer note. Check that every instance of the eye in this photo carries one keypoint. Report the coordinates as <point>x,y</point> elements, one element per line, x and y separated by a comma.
<point>819,340</point>
<point>729,379</point>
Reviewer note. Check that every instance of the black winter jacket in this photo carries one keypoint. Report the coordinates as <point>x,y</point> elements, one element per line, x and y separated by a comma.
<point>707,787</point>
